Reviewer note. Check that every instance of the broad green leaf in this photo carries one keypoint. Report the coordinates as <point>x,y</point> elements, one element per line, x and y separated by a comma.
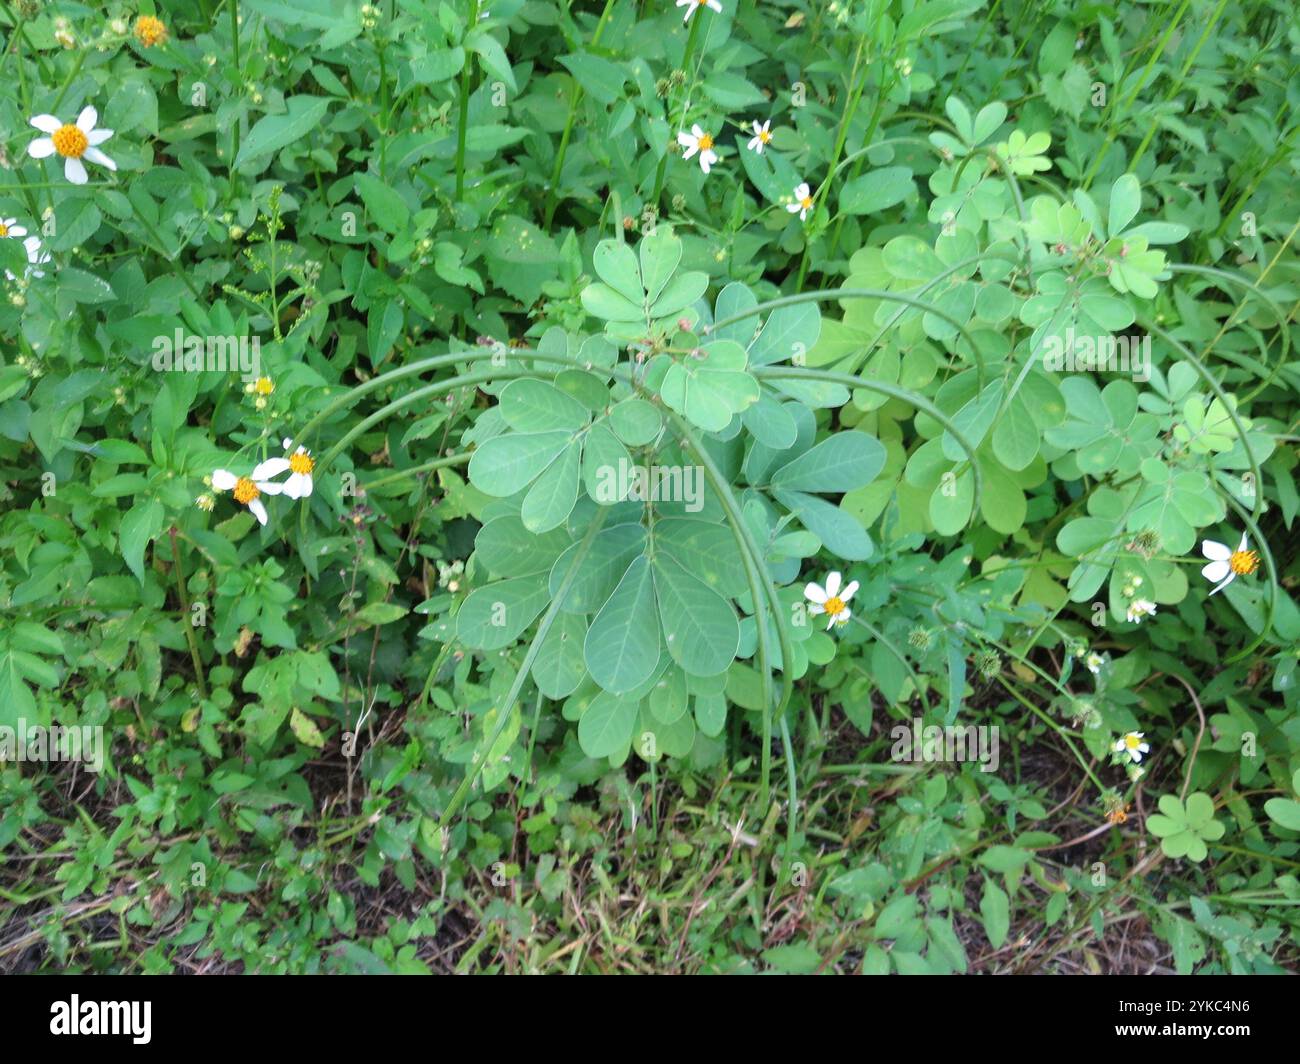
<point>606,727</point>
<point>530,405</point>
<point>622,646</point>
<point>553,495</point>
<point>842,462</point>
<point>877,191</point>
<point>495,616</point>
<point>610,554</point>
<point>700,628</point>
<point>508,463</point>
<point>303,116</point>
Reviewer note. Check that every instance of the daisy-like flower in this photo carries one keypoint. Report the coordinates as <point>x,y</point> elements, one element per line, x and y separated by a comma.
<point>1225,564</point>
<point>1132,745</point>
<point>803,201</point>
<point>10,229</point>
<point>762,137</point>
<point>150,31</point>
<point>692,5</point>
<point>249,490</point>
<point>698,141</point>
<point>831,600</point>
<point>1093,662</point>
<point>73,142</point>
<point>264,386</point>
<point>1139,608</point>
<point>301,464</point>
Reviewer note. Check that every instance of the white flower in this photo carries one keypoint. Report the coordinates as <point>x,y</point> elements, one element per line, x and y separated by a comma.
<point>698,141</point>
<point>301,464</point>
<point>1094,662</point>
<point>1226,565</point>
<point>248,489</point>
<point>762,137</point>
<point>691,5</point>
<point>1139,608</point>
<point>1132,745</point>
<point>831,600</point>
<point>31,244</point>
<point>73,142</point>
<point>803,201</point>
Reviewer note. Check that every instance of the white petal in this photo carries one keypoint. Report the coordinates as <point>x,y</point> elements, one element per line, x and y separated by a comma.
<point>698,130</point>
<point>86,120</point>
<point>75,171</point>
<point>258,510</point>
<point>269,487</point>
<point>707,159</point>
<point>298,485</point>
<point>98,136</point>
<point>801,191</point>
<point>100,159</point>
<point>832,624</point>
<point>1231,578</point>
<point>1215,551</point>
<point>833,584</point>
<point>685,139</point>
<point>1216,571</point>
<point>47,123</point>
<point>286,443</point>
<point>755,145</point>
<point>1243,542</point>
<point>847,593</point>
<point>815,609</point>
<point>715,4</point>
<point>223,480</point>
<point>815,593</point>
<point>272,467</point>
<point>41,148</point>
<point>15,230</point>
<point>793,208</point>
<point>843,616</point>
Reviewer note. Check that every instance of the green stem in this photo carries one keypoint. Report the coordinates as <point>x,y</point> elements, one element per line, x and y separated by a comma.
<point>691,38</point>
<point>575,95</point>
<point>186,621</point>
<point>462,128</point>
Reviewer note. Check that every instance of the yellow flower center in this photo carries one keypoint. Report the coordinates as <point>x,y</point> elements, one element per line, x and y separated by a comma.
<point>834,605</point>
<point>149,30</point>
<point>264,386</point>
<point>765,136</point>
<point>4,229</point>
<point>1132,742</point>
<point>1244,562</point>
<point>246,491</point>
<point>301,462</point>
<point>806,203</point>
<point>706,142</point>
<point>70,142</point>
